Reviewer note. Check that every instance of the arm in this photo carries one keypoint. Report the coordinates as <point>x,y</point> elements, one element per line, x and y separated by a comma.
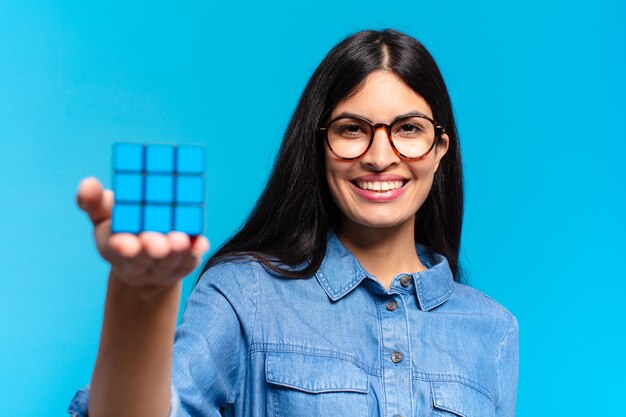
<point>132,376</point>
<point>507,362</point>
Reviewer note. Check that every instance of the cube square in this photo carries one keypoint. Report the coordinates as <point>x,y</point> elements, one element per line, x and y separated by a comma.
<point>128,188</point>
<point>128,157</point>
<point>157,218</point>
<point>160,189</point>
<point>189,189</point>
<point>160,159</point>
<point>189,219</point>
<point>126,218</point>
<point>190,159</point>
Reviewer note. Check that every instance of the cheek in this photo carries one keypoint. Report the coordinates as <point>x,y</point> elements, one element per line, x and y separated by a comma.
<point>425,169</point>
<point>424,175</point>
<point>336,172</point>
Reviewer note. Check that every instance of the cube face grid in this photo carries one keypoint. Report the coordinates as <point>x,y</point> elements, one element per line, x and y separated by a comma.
<point>158,188</point>
<point>128,157</point>
<point>160,159</point>
<point>157,218</point>
<point>127,218</point>
<point>190,160</point>
<point>189,219</point>
<point>189,189</point>
<point>128,188</point>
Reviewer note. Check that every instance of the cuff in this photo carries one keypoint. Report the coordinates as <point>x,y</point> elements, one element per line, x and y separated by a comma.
<point>80,403</point>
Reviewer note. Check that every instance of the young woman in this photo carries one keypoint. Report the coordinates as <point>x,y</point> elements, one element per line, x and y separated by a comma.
<point>341,294</point>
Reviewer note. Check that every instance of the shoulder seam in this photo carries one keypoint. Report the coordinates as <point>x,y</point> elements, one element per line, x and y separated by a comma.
<point>513,327</point>
<point>482,294</point>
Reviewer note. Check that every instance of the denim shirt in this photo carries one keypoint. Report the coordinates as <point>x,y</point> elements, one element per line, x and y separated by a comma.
<point>253,343</point>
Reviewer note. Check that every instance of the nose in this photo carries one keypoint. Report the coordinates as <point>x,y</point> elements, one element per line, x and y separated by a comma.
<point>380,154</point>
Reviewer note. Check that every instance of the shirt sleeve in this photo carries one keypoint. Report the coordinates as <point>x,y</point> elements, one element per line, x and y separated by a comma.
<point>79,405</point>
<point>211,345</point>
<point>508,371</point>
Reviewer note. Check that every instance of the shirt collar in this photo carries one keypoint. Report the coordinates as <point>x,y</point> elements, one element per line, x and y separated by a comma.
<point>340,272</point>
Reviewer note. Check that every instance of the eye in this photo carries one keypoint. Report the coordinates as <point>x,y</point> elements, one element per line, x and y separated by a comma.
<point>409,128</point>
<point>351,129</point>
<point>412,127</point>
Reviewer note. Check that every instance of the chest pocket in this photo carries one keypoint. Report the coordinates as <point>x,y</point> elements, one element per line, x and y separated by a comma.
<point>305,385</point>
<point>452,399</point>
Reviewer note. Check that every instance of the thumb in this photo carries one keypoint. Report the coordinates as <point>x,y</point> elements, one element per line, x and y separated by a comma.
<point>94,200</point>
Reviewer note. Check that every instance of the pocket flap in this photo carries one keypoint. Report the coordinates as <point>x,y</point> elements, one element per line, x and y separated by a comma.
<point>314,374</point>
<point>461,399</point>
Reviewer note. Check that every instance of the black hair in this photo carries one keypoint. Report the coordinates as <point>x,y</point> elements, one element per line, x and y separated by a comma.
<point>286,230</point>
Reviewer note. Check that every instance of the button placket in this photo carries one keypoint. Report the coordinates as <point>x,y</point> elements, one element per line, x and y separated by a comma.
<point>396,343</point>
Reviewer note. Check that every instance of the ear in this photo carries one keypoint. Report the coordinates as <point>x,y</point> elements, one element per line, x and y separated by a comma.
<point>441,148</point>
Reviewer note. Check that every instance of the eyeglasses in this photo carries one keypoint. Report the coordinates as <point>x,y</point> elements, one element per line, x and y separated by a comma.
<point>411,136</point>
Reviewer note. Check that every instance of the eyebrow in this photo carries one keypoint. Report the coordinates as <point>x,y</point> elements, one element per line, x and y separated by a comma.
<point>358,116</point>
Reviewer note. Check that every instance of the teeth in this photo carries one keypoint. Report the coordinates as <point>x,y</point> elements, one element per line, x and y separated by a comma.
<point>379,186</point>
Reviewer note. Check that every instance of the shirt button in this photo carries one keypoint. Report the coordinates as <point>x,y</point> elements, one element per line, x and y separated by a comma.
<point>396,356</point>
<point>405,281</point>
<point>392,305</point>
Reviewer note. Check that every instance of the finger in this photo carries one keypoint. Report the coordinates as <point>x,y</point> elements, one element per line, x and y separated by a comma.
<point>124,251</point>
<point>179,244</point>
<point>155,244</point>
<point>125,245</point>
<point>199,246</point>
<point>95,201</point>
<point>117,248</point>
<point>89,193</point>
<point>185,261</point>
<point>188,264</point>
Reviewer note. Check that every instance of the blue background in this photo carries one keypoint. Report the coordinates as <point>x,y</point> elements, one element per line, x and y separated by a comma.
<point>538,90</point>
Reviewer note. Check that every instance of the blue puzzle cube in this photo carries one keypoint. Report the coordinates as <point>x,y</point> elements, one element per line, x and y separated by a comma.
<point>158,188</point>
<point>190,160</point>
<point>189,219</point>
<point>160,159</point>
<point>189,189</point>
<point>129,188</point>
<point>127,217</point>
<point>157,218</point>
<point>128,157</point>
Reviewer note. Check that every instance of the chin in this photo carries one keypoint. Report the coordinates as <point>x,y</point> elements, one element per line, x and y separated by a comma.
<point>379,222</point>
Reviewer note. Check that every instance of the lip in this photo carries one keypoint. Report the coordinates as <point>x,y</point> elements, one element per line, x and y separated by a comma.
<point>378,196</point>
<point>381,178</point>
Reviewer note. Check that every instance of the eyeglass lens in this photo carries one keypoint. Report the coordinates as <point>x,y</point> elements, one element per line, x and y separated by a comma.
<point>350,137</point>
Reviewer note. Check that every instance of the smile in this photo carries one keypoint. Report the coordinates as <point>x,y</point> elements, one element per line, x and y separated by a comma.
<point>381,186</point>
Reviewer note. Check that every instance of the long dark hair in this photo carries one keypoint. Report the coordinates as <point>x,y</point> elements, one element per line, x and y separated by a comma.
<point>286,230</point>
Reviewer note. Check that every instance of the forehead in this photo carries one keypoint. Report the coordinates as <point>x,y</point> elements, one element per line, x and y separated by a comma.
<point>382,98</point>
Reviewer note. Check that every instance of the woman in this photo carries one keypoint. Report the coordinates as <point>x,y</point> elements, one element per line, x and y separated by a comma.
<point>341,292</point>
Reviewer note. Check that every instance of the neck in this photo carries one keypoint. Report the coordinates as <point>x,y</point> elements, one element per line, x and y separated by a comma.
<point>384,252</point>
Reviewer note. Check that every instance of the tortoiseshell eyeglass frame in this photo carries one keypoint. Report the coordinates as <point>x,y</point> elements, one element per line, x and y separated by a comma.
<point>439,130</point>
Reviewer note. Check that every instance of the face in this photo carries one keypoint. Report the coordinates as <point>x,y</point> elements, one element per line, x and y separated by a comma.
<point>382,99</point>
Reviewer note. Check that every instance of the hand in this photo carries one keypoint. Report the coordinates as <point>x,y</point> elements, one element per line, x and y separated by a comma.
<point>148,262</point>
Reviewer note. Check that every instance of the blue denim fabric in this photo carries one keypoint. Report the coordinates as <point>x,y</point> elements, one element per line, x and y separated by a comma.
<point>257,344</point>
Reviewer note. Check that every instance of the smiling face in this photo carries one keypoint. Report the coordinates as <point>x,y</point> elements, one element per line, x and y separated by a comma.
<point>380,189</point>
